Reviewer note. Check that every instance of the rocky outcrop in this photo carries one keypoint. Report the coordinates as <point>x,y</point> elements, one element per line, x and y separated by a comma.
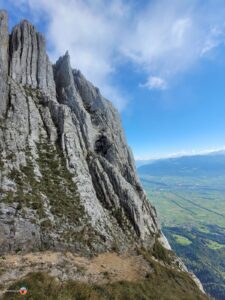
<point>58,133</point>
<point>29,63</point>
<point>4,43</point>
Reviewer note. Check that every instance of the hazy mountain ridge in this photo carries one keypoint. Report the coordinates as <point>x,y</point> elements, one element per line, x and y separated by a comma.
<point>211,164</point>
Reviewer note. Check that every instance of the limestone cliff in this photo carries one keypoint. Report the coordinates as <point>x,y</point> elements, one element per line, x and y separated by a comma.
<point>66,170</point>
<point>67,177</point>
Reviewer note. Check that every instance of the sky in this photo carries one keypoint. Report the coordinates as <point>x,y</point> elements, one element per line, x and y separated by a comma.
<point>161,62</point>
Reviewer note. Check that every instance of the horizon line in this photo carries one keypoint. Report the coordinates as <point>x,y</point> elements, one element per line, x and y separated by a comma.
<point>178,154</point>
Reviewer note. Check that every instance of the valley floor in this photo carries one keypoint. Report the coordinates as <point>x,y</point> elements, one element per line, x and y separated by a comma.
<point>192,213</point>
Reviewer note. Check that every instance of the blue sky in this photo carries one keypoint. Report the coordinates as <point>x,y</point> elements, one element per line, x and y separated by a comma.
<point>162,63</point>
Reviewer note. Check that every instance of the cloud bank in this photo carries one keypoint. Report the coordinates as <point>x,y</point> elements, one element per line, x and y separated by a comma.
<point>160,38</point>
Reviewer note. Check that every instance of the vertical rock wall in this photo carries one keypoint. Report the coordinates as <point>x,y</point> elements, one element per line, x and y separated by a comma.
<point>4,62</point>
<point>29,63</point>
<point>57,108</point>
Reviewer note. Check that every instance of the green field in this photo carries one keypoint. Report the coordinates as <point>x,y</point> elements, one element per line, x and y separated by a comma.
<point>189,201</point>
<point>192,214</point>
<point>182,240</point>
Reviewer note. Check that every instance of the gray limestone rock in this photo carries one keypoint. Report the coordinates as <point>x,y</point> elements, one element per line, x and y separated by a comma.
<point>29,63</point>
<point>4,44</point>
<point>64,161</point>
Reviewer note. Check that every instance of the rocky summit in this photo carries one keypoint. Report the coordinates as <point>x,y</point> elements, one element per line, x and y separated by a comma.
<point>67,177</point>
<point>66,170</point>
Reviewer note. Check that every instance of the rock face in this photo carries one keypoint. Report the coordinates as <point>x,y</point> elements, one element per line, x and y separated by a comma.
<point>68,179</point>
<point>29,63</point>
<point>4,39</point>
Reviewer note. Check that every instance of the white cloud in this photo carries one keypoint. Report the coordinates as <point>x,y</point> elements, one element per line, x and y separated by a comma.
<point>161,37</point>
<point>215,38</point>
<point>169,37</point>
<point>155,83</point>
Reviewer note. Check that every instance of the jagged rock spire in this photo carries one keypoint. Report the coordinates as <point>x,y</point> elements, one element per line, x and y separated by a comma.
<point>29,63</point>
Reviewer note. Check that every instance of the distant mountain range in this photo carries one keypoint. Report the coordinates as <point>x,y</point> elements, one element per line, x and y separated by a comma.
<point>211,164</point>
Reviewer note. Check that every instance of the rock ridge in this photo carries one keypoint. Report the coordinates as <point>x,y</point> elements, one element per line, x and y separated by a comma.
<point>55,122</point>
<point>29,63</point>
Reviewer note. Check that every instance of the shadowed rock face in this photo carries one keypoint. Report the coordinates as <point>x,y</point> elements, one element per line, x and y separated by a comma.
<point>68,179</point>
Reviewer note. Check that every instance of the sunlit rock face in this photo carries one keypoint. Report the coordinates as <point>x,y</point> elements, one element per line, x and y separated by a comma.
<point>4,40</point>
<point>67,179</point>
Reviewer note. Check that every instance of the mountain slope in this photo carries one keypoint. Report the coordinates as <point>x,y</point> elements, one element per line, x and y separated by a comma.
<point>212,164</point>
<point>62,119</point>
<point>67,180</point>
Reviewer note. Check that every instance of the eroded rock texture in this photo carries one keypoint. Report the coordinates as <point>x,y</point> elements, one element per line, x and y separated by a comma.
<point>4,40</point>
<point>68,179</point>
